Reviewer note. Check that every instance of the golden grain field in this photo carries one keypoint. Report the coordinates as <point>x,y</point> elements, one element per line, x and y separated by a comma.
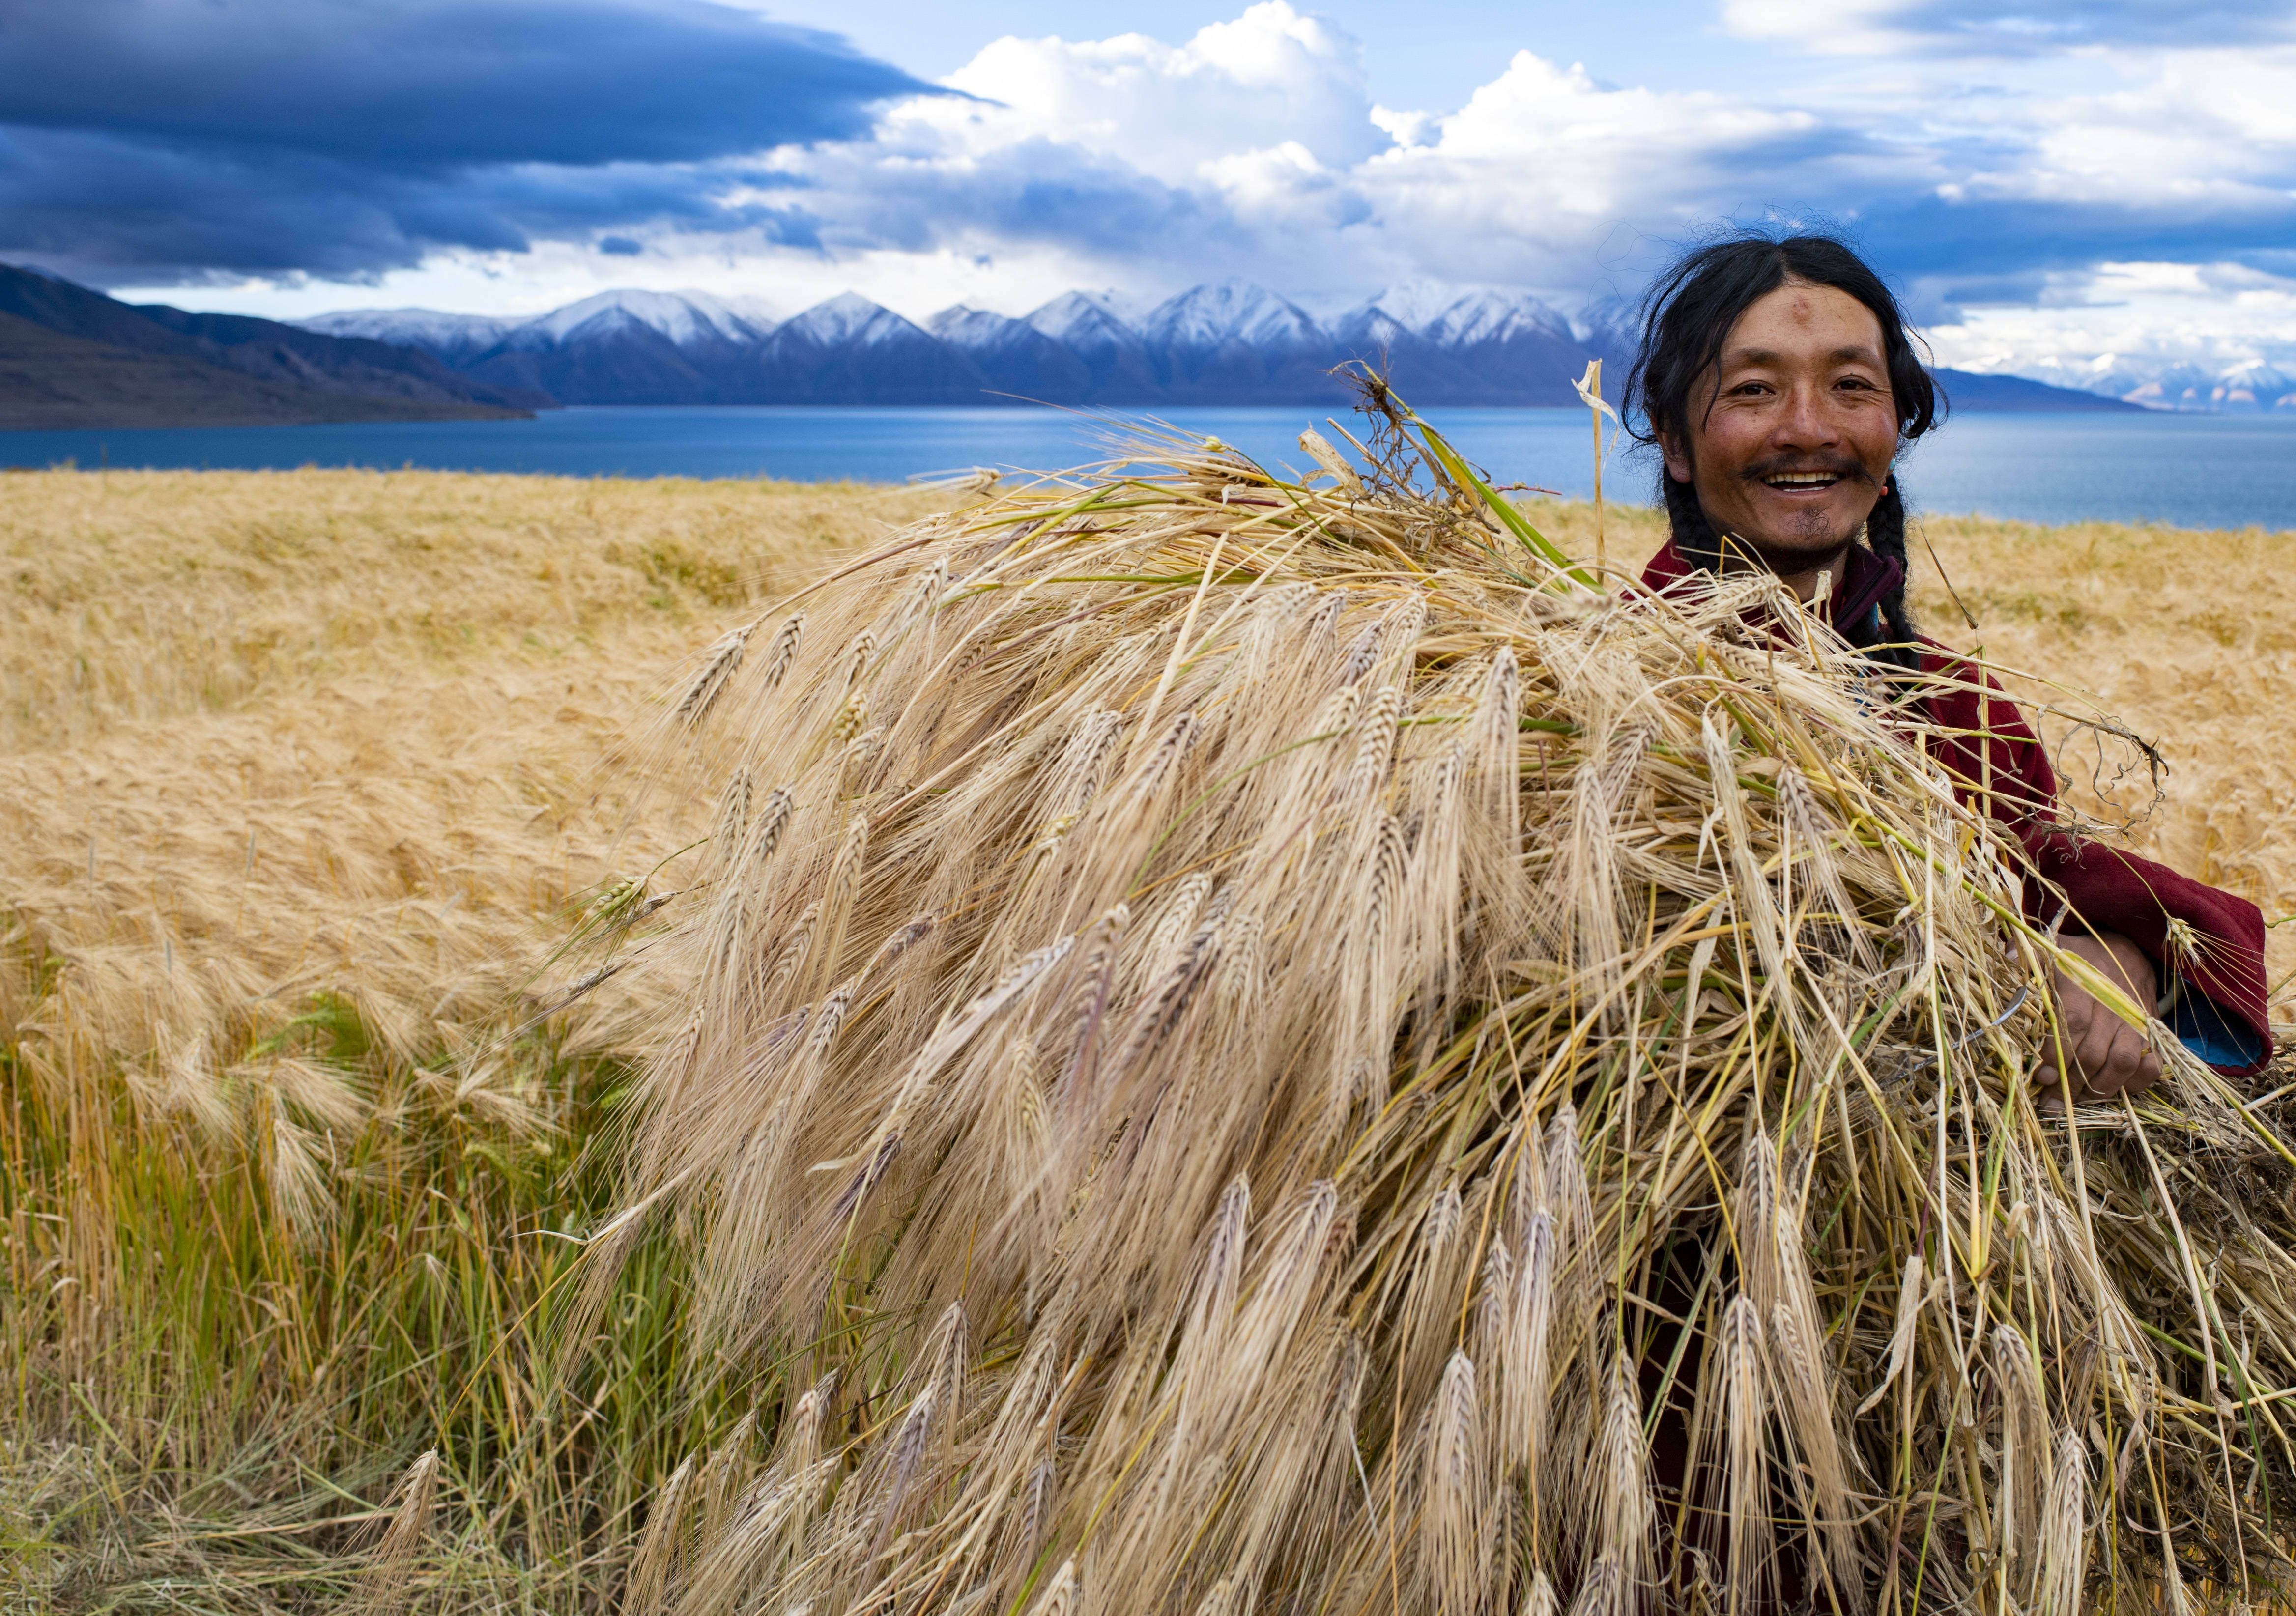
<point>302,774</point>
<point>268,734</point>
<point>299,776</point>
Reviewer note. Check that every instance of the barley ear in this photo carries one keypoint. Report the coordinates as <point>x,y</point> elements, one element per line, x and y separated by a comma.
<point>651,1568</point>
<point>391,1564</point>
<point>1061,1596</point>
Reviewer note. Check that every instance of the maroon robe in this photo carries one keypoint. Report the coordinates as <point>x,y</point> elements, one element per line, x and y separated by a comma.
<point>2213,997</point>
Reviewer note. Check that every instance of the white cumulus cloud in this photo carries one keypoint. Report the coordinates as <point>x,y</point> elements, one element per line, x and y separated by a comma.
<point>1272,78</point>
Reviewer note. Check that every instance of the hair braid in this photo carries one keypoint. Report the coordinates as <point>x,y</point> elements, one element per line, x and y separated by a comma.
<point>1694,536</point>
<point>1885,532</point>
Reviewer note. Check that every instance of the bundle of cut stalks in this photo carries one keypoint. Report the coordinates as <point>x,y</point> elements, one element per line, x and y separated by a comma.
<point>1260,1045</point>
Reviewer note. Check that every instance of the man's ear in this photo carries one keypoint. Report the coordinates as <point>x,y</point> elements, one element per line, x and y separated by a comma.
<point>1677,456</point>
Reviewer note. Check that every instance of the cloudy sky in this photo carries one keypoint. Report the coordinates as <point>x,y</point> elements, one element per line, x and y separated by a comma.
<point>2044,178</point>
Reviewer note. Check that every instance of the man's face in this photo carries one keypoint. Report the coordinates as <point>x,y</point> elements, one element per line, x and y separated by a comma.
<point>1794,449</point>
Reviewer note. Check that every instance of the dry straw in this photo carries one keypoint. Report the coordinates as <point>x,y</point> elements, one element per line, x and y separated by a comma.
<point>1271,1044</point>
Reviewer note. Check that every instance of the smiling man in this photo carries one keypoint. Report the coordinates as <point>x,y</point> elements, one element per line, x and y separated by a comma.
<point>1779,382</point>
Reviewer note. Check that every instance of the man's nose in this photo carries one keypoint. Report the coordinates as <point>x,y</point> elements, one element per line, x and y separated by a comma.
<point>1805,422</point>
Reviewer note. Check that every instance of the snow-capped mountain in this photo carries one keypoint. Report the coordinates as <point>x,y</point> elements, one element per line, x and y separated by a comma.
<point>1235,342</point>
<point>684,318</point>
<point>1022,358</point>
<point>2240,389</point>
<point>1094,328</point>
<point>2256,385</point>
<point>687,319</point>
<point>851,350</point>
<point>960,326</point>
<point>1472,344</point>
<point>2217,386</point>
<point>1611,326</point>
<point>1081,319</point>
<point>1205,319</point>
<point>625,346</point>
<point>1410,306</point>
<point>849,320</point>
<point>1225,342</point>
<point>454,338</point>
<point>1489,315</point>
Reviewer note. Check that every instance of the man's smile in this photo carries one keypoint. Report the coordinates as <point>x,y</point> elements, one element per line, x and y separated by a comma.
<point>1805,483</point>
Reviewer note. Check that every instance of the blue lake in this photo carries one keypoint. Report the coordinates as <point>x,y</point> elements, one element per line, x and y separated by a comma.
<point>2192,470</point>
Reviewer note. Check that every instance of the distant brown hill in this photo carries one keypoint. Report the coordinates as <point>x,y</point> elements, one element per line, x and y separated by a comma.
<point>53,383</point>
<point>74,359</point>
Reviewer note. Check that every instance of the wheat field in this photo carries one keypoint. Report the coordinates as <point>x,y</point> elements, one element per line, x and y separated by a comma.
<point>304,775</point>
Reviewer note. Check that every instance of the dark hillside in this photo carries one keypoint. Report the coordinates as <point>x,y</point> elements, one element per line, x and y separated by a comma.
<point>278,352</point>
<point>1969,389</point>
<point>304,376</point>
<point>51,381</point>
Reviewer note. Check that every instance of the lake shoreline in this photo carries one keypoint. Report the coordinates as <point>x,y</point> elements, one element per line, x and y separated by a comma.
<point>2189,471</point>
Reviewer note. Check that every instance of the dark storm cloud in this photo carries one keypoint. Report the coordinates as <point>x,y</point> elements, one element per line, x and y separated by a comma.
<point>169,139</point>
<point>108,211</point>
<point>406,85</point>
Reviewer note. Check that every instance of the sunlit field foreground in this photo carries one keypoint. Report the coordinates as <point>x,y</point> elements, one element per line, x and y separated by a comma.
<point>304,778</point>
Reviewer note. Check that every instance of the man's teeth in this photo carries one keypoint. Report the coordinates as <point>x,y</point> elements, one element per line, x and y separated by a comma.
<point>1803,479</point>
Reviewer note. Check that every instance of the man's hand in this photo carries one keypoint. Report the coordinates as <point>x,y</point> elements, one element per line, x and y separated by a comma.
<point>2108,1056</point>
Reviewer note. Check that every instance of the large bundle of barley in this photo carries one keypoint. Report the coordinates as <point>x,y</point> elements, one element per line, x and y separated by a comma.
<point>1271,1046</point>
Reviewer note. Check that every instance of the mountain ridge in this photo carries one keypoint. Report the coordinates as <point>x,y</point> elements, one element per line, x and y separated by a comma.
<point>1221,343</point>
<point>51,380</point>
<point>104,363</point>
<point>1226,342</point>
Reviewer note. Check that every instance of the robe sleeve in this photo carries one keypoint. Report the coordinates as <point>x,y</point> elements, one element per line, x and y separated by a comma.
<point>2211,968</point>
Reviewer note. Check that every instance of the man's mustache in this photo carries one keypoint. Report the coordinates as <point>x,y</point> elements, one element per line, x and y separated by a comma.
<point>1844,466</point>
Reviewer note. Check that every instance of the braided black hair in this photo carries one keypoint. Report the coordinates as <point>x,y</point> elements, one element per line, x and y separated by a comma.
<point>1686,318</point>
<point>1885,534</point>
<point>1694,536</point>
